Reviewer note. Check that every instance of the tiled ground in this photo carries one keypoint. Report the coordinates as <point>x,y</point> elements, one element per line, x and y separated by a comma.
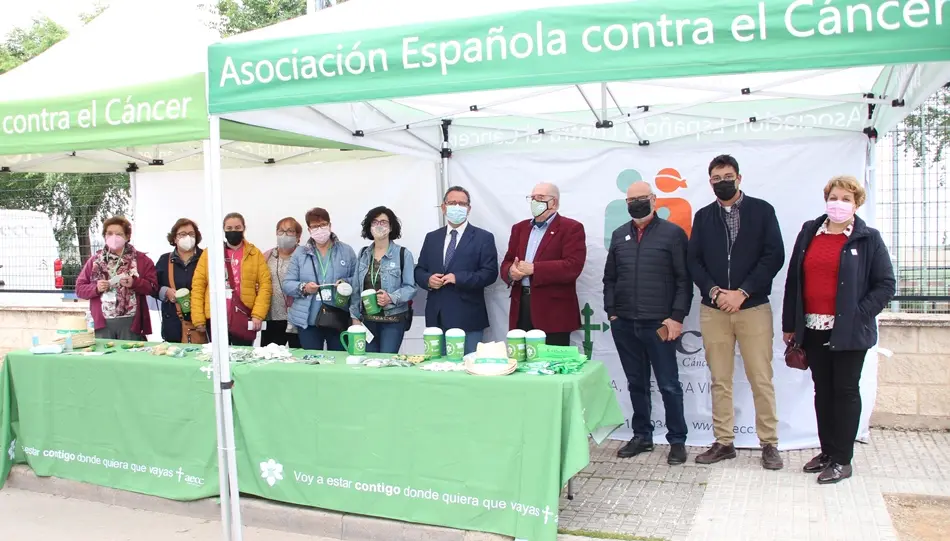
<point>738,500</point>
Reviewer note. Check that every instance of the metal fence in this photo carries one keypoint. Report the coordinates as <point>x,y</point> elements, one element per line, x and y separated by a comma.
<point>912,205</point>
<point>50,224</point>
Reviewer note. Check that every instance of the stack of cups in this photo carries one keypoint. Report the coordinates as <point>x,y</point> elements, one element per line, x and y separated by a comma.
<point>341,298</point>
<point>532,340</point>
<point>432,338</point>
<point>455,344</point>
<point>516,345</point>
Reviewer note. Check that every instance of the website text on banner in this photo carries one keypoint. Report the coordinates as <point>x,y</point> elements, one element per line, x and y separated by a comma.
<point>593,184</point>
<point>575,44</point>
<point>129,421</point>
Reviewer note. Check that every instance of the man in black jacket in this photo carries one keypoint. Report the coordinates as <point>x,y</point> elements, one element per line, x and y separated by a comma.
<point>734,254</point>
<point>647,294</point>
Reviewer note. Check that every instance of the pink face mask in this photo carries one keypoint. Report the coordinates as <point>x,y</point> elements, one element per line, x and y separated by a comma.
<point>115,242</point>
<point>840,212</point>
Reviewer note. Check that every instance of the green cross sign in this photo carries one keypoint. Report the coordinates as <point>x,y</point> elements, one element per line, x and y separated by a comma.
<point>587,327</point>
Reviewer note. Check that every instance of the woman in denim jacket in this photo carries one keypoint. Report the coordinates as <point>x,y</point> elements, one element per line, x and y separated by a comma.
<point>388,268</point>
<point>323,260</point>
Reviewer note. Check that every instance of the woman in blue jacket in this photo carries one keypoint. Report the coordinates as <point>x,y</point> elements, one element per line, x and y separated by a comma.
<point>388,268</point>
<point>839,279</point>
<point>322,260</point>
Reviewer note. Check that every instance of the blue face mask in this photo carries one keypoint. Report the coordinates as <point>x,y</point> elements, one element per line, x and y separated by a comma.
<point>456,214</point>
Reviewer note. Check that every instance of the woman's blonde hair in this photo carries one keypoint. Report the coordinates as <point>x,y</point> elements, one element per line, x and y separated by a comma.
<point>849,183</point>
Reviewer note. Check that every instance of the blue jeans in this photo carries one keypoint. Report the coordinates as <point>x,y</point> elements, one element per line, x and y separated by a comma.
<point>640,348</point>
<point>387,337</point>
<point>472,338</point>
<point>314,338</point>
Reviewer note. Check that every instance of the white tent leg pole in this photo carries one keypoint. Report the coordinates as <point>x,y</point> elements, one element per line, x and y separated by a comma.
<point>444,173</point>
<point>220,346</point>
<point>133,192</point>
<point>895,213</point>
<point>216,371</point>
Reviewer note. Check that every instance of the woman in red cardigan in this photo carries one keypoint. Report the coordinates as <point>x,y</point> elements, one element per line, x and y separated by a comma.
<point>116,281</point>
<point>839,279</point>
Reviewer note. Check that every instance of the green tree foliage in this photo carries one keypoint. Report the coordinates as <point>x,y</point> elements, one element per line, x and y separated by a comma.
<point>244,15</point>
<point>23,44</point>
<point>74,202</point>
<point>926,131</point>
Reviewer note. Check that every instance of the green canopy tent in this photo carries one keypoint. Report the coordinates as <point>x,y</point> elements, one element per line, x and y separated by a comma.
<point>435,79</point>
<point>127,93</point>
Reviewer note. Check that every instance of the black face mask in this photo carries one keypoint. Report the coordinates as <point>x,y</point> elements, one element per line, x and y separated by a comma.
<point>234,237</point>
<point>725,189</point>
<point>639,209</point>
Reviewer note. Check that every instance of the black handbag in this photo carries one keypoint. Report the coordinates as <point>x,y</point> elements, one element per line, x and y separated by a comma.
<point>330,317</point>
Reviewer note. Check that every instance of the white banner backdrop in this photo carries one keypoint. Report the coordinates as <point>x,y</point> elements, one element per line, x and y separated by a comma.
<point>789,174</point>
<point>347,189</point>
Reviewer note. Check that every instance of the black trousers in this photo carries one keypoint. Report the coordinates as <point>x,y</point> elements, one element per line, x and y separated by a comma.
<point>837,375</point>
<point>525,324</point>
<point>276,333</point>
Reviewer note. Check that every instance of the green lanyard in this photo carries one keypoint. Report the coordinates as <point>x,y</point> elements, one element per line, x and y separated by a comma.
<point>118,263</point>
<point>375,276</point>
<point>323,266</point>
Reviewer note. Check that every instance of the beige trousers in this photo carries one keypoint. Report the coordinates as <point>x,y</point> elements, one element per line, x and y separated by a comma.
<point>754,331</point>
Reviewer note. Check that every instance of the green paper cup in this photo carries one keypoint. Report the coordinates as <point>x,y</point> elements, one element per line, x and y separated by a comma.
<point>369,302</point>
<point>184,300</point>
<point>354,340</point>
<point>432,338</point>
<point>516,345</point>
<point>455,344</point>
<point>341,296</point>
<point>532,340</point>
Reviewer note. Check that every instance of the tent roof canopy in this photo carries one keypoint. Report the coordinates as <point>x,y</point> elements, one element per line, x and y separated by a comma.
<point>68,109</point>
<point>576,68</point>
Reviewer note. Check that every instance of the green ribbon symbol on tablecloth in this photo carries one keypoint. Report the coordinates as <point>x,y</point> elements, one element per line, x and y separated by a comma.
<point>587,327</point>
<point>12,447</point>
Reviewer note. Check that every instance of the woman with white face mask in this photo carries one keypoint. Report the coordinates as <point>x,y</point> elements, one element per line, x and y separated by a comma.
<point>839,279</point>
<point>116,280</point>
<point>277,330</point>
<point>388,268</point>
<point>322,261</point>
<point>176,271</point>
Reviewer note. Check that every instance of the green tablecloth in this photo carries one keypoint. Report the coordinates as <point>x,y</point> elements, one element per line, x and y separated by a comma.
<point>469,452</point>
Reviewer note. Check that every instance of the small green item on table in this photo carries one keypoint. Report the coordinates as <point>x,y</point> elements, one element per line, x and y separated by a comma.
<point>546,352</point>
<point>128,346</point>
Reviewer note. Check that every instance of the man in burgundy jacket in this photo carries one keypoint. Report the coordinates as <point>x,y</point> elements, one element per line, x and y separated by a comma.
<point>545,256</point>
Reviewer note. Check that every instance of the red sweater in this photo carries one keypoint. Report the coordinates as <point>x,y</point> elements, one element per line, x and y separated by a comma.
<point>820,273</point>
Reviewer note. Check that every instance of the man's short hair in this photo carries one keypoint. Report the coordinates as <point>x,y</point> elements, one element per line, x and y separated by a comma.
<point>468,196</point>
<point>723,160</point>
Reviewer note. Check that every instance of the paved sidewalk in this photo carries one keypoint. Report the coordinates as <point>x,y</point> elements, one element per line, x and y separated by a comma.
<point>737,500</point>
<point>42,517</point>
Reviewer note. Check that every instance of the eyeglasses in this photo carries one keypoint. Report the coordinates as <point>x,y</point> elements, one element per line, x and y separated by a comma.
<point>318,226</point>
<point>184,234</point>
<point>286,233</point>
<point>457,203</point>
<point>641,198</point>
<point>727,178</point>
<point>380,223</point>
<point>541,198</point>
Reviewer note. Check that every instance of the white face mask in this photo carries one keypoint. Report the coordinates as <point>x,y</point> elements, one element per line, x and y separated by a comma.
<point>538,208</point>
<point>186,244</point>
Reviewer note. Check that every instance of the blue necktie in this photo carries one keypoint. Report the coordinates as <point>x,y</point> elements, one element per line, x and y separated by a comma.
<point>450,251</point>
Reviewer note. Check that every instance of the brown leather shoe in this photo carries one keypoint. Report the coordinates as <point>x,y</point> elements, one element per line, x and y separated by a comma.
<point>717,453</point>
<point>817,464</point>
<point>834,473</point>
<point>771,460</point>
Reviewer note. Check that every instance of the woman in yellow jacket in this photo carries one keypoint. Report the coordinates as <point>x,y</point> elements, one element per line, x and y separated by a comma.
<point>247,268</point>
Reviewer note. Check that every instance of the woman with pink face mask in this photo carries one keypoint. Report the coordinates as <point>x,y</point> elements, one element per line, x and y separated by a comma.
<point>116,280</point>
<point>839,279</point>
<point>321,261</point>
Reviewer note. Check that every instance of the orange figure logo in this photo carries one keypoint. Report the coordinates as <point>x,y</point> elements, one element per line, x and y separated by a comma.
<point>674,209</point>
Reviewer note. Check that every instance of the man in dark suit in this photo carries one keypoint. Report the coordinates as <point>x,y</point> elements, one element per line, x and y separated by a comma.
<point>545,257</point>
<point>455,266</point>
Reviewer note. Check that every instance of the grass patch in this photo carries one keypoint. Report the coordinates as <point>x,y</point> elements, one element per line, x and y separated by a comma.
<point>606,535</point>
